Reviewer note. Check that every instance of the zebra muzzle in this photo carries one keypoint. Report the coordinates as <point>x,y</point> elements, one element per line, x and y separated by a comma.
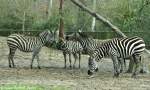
<point>90,73</point>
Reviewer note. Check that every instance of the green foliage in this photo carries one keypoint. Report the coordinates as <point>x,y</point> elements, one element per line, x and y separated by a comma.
<point>21,87</point>
<point>51,24</point>
<point>31,87</point>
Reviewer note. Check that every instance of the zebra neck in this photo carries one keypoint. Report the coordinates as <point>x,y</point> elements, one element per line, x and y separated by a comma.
<point>42,40</point>
<point>86,42</point>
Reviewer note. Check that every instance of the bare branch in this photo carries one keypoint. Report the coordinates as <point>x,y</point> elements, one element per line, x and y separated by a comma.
<point>99,17</point>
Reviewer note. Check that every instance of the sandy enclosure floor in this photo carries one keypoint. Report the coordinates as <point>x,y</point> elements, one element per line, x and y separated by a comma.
<point>52,72</point>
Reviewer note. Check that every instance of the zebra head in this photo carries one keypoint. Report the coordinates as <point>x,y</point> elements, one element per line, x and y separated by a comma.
<point>47,37</point>
<point>92,66</point>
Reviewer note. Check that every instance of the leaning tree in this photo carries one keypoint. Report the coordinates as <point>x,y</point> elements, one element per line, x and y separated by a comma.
<point>107,23</point>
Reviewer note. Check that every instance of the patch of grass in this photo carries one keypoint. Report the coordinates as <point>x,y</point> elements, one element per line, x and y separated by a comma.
<point>31,87</point>
<point>20,87</point>
<point>59,88</point>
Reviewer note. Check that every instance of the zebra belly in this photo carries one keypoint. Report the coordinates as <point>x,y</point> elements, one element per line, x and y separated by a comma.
<point>26,49</point>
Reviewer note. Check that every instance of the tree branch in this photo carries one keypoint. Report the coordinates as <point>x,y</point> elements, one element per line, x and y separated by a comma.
<point>102,19</point>
<point>99,17</point>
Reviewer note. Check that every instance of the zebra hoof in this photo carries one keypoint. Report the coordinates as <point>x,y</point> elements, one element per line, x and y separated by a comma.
<point>116,75</point>
<point>121,71</point>
<point>144,71</point>
<point>31,67</point>
<point>10,66</point>
<point>134,76</point>
<point>70,67</point>
<point>128,71</point>
<point>39,67</point>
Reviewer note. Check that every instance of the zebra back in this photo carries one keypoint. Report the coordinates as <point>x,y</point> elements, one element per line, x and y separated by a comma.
<point>71,46</point>
<point>120,47</point>
<point>28,43</point>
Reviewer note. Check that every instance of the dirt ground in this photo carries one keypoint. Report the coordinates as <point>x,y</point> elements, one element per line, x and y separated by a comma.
<point>53,74</point>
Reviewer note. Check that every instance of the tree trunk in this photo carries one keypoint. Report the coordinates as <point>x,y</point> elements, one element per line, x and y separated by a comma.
<point>94,19</point>
<point>61,27</point>
<point>105,21</point>
<point>48,9</point>
<point>23,21</point>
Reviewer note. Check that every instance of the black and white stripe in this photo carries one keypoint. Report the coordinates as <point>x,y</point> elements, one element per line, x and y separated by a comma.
<point>116,49</point>
<point>28,44</point>
<point>88,44</point>
<point>71,47</point>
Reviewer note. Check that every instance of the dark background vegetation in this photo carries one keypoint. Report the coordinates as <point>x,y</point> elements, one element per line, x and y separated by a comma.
<point>131,16</point>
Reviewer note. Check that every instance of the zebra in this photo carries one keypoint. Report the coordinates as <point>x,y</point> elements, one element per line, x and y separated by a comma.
<point>118,48</point>
<point>28,44</point>
<point>71,47</point>
<point>90,45</point>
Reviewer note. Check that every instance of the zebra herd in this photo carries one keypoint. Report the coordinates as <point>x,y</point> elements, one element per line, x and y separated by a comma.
<point>117,49</point>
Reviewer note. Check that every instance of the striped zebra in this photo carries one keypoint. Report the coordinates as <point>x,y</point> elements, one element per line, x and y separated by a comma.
<point>90,45</point>
<point>71,47</point>
<point>28,44</point>
<point>116,49</point>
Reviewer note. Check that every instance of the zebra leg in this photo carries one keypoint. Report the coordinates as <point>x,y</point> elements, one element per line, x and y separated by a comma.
<point>33,56</point>
<point>116,71</point>
<point>64,59</point>
<point>36,51</point>
<point>37,56</point>
<point>70,60</point>
<point>130,67</point>
<point>79,58</point>
<point>137,64</point>
<point>121,65</point>
<point>125,65</point>
<point>10,57</point>
<point>75,57</point>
